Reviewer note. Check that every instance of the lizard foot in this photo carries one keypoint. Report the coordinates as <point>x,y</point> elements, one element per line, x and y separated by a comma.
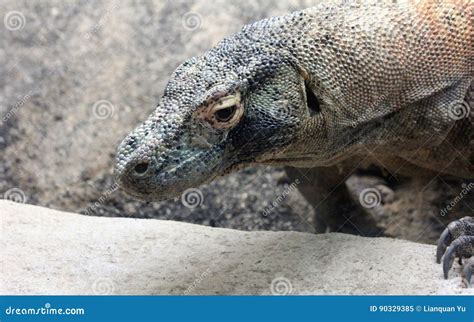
<point>457,240</point>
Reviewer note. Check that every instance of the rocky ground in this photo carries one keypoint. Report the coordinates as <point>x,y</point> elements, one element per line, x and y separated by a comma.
<point>77,76</point>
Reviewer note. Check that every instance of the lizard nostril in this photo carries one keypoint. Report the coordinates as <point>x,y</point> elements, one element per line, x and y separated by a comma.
<point>141,168</point>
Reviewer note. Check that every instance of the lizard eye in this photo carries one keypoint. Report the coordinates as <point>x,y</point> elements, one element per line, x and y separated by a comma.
<point>224,113</point>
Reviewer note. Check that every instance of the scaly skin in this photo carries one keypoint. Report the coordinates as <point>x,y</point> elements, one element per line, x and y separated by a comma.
<point>329,88</point>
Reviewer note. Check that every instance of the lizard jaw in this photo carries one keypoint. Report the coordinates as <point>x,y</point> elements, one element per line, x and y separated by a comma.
<point>166,177</point>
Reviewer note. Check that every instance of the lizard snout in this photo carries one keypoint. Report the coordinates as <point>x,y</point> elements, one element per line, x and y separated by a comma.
<point>136,177</point>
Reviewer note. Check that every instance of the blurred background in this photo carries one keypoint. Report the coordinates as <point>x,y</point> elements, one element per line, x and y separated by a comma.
<point>78,76</point>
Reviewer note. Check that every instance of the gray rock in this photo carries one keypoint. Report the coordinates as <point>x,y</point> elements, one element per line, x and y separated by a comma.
<point>45,251</point>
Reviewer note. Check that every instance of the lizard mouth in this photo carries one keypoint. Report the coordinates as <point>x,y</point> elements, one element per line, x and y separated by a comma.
<point>286,161</point>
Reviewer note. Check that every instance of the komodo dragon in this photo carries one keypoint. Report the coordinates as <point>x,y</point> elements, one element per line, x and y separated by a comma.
<point>329,89</point>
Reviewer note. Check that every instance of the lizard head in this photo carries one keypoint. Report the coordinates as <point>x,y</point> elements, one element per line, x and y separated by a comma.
<point>220,112</point>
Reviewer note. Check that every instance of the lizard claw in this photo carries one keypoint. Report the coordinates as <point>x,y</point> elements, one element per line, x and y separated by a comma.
<point>468,270</point>
<point>443,242</point>
<point>457,240</point>
<point>449,258</point>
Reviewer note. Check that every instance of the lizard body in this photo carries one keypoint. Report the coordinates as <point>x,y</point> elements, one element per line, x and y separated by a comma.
<point>330,88</point>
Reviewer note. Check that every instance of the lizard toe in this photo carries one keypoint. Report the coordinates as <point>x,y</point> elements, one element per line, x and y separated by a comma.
<point>457,240</point>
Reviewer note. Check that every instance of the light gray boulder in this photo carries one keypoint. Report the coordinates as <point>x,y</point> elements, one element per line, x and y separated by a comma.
<point>45,251</point>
